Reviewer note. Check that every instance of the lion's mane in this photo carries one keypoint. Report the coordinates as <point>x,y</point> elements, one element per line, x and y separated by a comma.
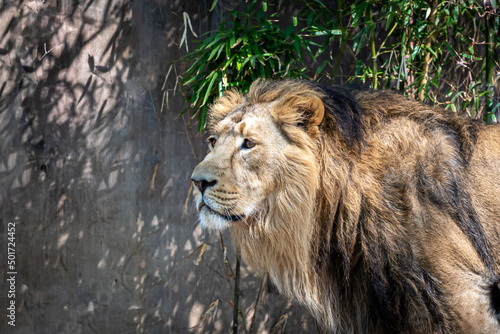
<point>360,200</point>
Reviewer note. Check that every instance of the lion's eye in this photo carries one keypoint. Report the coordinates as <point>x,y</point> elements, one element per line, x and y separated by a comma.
<point>248,143</point>
<point>212,141</point>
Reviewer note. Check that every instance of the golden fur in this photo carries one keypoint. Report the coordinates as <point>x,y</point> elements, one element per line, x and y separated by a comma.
<point>378,213</point>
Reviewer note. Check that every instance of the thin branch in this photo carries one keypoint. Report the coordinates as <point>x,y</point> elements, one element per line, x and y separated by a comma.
<point>236,301</point>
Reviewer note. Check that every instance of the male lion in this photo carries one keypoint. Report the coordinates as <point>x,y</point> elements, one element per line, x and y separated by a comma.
<point>376,212</point>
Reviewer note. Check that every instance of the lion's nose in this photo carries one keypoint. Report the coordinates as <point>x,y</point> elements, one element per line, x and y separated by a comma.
<point>203,184</point>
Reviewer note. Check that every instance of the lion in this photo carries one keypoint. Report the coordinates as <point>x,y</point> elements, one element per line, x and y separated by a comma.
<point>376,212</point>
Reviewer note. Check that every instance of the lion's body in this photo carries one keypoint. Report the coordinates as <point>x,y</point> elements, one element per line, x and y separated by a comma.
<point>378,213</point>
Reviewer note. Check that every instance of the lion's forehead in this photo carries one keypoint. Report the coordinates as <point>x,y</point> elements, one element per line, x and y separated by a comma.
<point>248,121</point>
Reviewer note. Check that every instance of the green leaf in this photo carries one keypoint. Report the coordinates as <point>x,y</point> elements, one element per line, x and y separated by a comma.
<point>358,40</point>
<point>431,50</point>
<point>287,32</point>
<point>245,62</point>
<point>213,5</point>
<point>450,48</point>
<point>388,21</point>
<point>359,66</point>
<point>415,52</point>
<point>191,80</point>
<point>320,4</point>
<point>358,12</point>
<point>296,46</point>
<point>260,14</point>
<point>202,118</point>
<point>455,13</point>
<point>320,68</point>
<point>215,51</point>
<point>229,62</point>
<point>310,18</point>
<point>215,75</point>
<point>221,88</point>
<point>334,32</point>
<point>232,40</point>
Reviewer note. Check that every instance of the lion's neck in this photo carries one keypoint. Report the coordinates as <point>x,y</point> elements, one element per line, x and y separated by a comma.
<point>279,248</point>
<point>279,245</point>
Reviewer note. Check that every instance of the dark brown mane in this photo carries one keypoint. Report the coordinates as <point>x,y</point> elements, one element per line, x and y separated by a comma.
<point>396,284</point>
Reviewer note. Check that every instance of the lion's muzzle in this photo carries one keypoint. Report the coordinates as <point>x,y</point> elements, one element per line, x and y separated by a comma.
<point>202,177</point>
<point>213,203</point>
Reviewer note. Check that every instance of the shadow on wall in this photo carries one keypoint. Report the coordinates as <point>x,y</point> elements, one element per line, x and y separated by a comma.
<point>95,173</point>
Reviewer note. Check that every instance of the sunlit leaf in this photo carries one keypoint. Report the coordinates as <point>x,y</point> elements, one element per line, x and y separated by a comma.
<point>210,85</point>
<point>202,251</point>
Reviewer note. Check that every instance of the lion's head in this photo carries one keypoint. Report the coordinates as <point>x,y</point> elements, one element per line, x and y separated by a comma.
<point>261,158</point>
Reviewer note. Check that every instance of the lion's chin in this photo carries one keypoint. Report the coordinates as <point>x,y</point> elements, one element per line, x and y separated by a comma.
<point>211,219</point>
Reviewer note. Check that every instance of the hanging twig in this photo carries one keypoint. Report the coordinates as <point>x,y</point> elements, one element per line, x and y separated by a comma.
<point>47,52</point>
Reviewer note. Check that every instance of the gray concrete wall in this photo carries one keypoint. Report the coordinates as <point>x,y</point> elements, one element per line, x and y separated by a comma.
<point>94,172</point>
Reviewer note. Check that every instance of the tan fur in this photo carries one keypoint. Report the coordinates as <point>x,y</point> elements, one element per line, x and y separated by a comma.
<point>376,212</point>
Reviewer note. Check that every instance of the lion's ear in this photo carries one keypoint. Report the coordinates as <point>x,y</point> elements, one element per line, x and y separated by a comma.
<point>317,110</point>
<point>314,112</point>
<point>306,112</point>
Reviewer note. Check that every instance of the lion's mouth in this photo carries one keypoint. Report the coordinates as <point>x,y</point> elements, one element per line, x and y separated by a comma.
<point>226,217</point>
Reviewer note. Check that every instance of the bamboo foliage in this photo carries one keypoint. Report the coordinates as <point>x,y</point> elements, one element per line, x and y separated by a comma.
<point>442,52</point>
<point>255,44</point>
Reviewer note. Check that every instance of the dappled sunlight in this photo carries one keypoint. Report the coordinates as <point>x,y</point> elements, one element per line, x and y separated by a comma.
<point>95,170</point>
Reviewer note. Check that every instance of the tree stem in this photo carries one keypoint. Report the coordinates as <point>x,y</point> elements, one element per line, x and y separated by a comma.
<point>236,299</point>
<point>428,57</point>
<point>369,19</point>
<point>489,116</point>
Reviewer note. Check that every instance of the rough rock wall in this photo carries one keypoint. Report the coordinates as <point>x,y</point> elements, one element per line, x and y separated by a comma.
<point>94,172</point>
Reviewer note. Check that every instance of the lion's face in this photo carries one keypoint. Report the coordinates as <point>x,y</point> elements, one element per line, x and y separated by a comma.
<point>241,169</point>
